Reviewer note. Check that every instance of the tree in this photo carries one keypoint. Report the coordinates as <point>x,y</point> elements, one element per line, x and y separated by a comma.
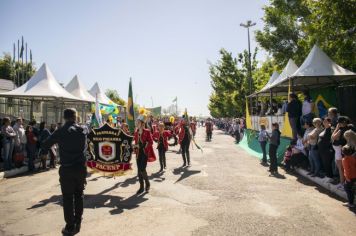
<point>292,27</point>
<point>115,97</point>
<point>230,84</point>
<point>15,71</point>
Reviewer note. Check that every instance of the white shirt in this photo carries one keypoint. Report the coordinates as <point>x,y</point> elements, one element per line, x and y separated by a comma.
<point>306,108</point>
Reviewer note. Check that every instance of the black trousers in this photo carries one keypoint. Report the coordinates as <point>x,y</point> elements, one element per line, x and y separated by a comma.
<point>263,147</point>
<point>209,135</point>
<point>141,162</point>
<point>348,189</point>
<point>273,157</point>
<point>327,157</point>
<point>185,151</point>
<point>72,180</point>
<point>162,157</point>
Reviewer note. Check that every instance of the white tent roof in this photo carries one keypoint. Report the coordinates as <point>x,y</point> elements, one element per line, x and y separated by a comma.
<point>318,64</point>
<point>43,85</point>
<point>290,69</point>
<point>102,98</point>
<point>76,88</point>
<point>271,80</point>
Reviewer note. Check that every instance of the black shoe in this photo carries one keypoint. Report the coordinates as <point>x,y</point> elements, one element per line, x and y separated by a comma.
<point>68,231</point>
<point>141,190</point>
<point>160,170</point>
<point>184,164</point>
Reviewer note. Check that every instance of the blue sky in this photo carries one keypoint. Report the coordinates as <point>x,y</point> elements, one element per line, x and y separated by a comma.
<point>164,45</point>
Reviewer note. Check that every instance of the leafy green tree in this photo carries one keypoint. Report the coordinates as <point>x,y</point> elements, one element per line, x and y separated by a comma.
<point>15,71</point>
<point>229,80</point>
<point>292,27</point>
<point>115,97</point>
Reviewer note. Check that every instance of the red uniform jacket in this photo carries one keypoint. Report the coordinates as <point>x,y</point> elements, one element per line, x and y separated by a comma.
<point>166,135</point>
<point>181,133</point>
<point>209,127</point>
<point>146,138</point>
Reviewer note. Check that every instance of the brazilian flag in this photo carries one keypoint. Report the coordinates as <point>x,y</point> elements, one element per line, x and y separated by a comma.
<point>130,119</point>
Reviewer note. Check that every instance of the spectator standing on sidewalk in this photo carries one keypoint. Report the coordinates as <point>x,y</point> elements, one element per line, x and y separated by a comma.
<point>8,143</point>
<point>262,139</point>
<point>31,147</point>
<point>349,166</point>
<point>273,146</point>
<point>20,139</point>
<point>294,110</point>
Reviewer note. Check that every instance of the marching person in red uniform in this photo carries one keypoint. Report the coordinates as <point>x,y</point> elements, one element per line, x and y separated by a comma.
<point>184,141</point>
<point>144,153</point>
<point>209,129</point>
<point>161,136</point>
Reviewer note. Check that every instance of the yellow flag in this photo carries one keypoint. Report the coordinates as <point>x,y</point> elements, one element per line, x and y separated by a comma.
<point>287,129</point>
<point>248,117</point>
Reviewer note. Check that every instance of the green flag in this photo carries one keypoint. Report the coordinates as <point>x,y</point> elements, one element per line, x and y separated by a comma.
<point>130,119</point>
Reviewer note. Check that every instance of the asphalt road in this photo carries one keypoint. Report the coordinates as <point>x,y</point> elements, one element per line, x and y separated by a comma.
<point>225,192</point>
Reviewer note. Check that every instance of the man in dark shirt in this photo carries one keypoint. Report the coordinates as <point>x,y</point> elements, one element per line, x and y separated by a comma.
<point>71,139</point>
<point>294,109</point>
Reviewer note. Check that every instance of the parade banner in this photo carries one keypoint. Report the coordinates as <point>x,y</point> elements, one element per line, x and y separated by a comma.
<point>109,151</point>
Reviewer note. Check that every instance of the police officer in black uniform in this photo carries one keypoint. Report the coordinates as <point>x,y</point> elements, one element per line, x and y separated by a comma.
<point>71,139</point>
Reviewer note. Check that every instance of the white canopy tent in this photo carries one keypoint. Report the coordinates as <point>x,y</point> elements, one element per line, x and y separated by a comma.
<point>102,98</point>
<point>42,85</point>
<point>271,80</point>
<point>76,88</point>
<point>41,97</point>
<point>319,70</point>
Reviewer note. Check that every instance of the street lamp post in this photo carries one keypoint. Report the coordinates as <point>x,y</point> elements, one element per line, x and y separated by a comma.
<point>247,26</point>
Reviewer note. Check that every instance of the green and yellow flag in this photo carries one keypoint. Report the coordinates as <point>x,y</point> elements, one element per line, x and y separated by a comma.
<point>130,118</point>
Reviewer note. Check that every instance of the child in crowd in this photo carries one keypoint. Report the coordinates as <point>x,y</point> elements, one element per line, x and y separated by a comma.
<point>349,166</point>
<point>287,157</point>
<point>299,155</point>
<point>273,146</point>
<point>262,139</point>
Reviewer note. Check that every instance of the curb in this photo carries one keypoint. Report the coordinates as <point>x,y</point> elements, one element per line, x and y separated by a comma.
<point>324,182</point>
<point>17,171</point>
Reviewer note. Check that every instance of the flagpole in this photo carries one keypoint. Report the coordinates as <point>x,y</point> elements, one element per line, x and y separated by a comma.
<point>177,106</point>
<point>26,69</point>
<point>18,62</point>
<point>14,64</point>
<point>23,78</point>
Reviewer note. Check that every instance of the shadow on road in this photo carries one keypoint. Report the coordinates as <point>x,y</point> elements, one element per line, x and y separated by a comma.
<point>102,199</point>
<point>92,201</point>
<point>184,173</point>
<point>157,177</point>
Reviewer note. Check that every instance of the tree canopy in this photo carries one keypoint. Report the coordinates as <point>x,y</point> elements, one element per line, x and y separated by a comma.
<point>292,27</point>
<point>230,84</point>
<point>15,71</point>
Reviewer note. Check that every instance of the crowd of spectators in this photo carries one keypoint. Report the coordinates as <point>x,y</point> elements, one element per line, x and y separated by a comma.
<point>20,144</point>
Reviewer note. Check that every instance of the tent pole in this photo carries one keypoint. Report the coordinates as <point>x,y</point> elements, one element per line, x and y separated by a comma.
<point>270,101</point>
<point>31,109</point>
